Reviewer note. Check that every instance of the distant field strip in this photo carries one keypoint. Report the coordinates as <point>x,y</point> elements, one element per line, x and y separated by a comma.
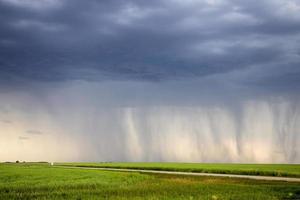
<point>277,170</point>
<point>265,178</point>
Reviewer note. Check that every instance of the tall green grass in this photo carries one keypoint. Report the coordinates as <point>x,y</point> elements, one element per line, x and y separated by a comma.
<point>41,181</point>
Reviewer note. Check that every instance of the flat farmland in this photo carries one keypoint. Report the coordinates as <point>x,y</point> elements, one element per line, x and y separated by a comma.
<point>43,181</point>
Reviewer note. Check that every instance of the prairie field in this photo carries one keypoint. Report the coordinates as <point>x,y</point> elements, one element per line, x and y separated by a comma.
<point>43,181</point>
<point>281,170</point>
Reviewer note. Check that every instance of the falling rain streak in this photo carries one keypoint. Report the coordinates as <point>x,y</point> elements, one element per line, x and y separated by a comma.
<point>89,123</point>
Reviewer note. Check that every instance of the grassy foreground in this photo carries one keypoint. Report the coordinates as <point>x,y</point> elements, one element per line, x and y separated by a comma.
<point>41,181</point>
<point>285,170</point>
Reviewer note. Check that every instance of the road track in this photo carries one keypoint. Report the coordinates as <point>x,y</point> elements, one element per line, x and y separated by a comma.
<point>264,178</point>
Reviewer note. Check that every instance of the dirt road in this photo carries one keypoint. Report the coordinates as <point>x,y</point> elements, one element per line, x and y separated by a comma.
<point>266,178</point>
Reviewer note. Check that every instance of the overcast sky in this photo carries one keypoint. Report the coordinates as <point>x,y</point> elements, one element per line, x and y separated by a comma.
<point>97,73</point>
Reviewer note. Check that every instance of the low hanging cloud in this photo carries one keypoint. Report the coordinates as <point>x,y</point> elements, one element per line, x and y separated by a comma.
<point>23,138</point>
<point>34,132</point>
<point>6,121</point>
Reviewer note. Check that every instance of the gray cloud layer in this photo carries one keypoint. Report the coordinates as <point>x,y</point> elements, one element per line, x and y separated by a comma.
<point>149,40</point>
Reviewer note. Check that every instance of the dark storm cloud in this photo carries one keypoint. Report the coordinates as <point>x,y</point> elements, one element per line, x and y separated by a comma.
<point>148,40</point>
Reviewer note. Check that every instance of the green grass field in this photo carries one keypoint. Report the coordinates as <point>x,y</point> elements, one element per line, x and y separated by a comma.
<point>42,181</point>
<point>285,170</point>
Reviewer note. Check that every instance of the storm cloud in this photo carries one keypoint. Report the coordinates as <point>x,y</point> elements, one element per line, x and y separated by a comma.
<point>197,79</point>
<point>71,39</point>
